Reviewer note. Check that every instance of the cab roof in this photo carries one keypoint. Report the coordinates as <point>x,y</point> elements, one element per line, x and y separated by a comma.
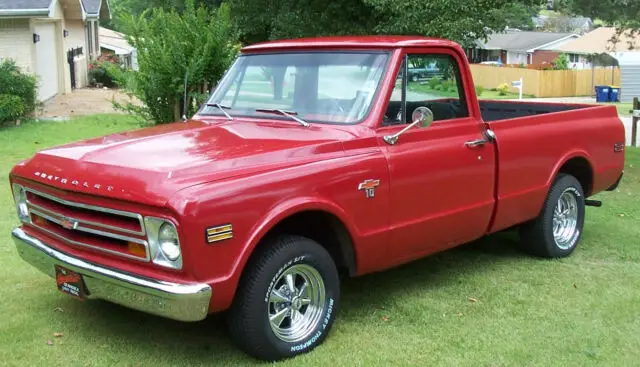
<point>361,42</point>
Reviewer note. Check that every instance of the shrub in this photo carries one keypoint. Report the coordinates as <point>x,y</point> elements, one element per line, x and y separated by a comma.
<point>18,92</point>
<point>561,62</point>
<point>503,89</point>
<point>101,71</point>
<point>449,86</point>
<point>199,42</point>
<point>479,90</point>
<point>11,108</point>
<point>434,83</point>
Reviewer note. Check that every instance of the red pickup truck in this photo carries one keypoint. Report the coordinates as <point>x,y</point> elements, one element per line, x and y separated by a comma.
<point>311,159</point>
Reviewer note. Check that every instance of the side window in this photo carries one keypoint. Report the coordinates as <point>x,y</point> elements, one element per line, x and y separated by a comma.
<point>434,81</point>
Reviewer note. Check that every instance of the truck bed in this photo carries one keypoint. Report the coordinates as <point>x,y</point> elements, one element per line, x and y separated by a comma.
<point>502,110</point>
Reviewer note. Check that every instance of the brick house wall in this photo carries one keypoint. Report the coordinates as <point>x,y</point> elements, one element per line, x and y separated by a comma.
<point>541,57</point>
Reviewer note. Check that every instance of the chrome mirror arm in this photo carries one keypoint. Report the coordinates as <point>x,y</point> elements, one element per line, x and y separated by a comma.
<point>421,115</point>
<point>392,139</point>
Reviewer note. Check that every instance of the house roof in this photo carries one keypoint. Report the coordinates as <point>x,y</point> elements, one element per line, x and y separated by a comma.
<point>575,22</point>
<point>91,8</point>
<point>25,4</point>
<point>25,7</point>
<point>522,41</point>
<point>114,41</point>
<point>599,41</point>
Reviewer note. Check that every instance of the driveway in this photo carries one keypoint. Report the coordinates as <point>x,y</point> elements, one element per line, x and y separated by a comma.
<point>85,101</point>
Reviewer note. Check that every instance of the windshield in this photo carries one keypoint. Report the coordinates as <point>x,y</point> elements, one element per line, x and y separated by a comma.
<point>333,87</point>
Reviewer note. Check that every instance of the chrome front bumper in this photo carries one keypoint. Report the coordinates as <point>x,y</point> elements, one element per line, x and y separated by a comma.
<point>183,302</point>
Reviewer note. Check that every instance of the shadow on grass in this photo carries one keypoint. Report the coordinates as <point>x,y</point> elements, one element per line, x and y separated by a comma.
<point>207,342</point>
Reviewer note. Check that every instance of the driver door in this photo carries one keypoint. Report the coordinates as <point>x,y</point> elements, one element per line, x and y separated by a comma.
<point>441,189</point>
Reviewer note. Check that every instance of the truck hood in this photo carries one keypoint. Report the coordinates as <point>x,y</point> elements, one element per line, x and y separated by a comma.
<point>150,164</point>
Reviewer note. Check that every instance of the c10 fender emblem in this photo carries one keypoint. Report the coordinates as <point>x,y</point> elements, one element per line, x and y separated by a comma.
<point>369,187</point>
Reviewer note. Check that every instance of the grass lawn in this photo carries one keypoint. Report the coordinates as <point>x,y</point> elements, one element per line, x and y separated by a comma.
<point>624,108</point>
<point>486,93</point>
<point>482,304</point>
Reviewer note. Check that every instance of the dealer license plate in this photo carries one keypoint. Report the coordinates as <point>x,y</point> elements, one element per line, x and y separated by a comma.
<point>70,282</point>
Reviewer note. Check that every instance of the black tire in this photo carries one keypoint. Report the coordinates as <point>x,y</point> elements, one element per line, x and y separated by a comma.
<point>248,318</point>
<point>537,237</point>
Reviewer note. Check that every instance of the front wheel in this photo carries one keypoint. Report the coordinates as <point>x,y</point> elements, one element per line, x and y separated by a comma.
<point>558,229</point>
<point>287,300</point>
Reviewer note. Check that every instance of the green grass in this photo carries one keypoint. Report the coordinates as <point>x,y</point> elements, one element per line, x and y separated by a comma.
<point>579,311</point>
<point>623,108</point>
<point>486,94</point>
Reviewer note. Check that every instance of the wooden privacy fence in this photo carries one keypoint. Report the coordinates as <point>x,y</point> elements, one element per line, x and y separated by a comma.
<point>547,83</point>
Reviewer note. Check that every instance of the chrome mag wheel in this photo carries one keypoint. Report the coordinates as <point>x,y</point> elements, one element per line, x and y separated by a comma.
<point>565,220</point>
<point>296,303</point>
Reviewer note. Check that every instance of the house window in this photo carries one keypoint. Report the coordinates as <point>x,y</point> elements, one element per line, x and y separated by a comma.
<point>574,58</point>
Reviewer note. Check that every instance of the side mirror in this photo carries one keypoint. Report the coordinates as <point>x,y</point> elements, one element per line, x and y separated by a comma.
<point>421,115</point>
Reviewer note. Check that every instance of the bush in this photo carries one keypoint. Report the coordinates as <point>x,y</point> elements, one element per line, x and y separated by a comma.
<point>11,108</point>
<point>479,90</point>
<point>449,86</point>
<point>101,71</point>
<point>434,83</point>
<point>503,89</point>
<point>200,43</point>
<point>561,62</point>
<point>18,92</point>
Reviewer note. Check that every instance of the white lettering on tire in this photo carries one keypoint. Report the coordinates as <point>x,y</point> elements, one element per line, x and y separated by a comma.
<point>316,336</point>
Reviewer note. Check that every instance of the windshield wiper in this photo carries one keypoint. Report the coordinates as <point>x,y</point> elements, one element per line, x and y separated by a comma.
<point>290,114</point>
<point>222,108</point>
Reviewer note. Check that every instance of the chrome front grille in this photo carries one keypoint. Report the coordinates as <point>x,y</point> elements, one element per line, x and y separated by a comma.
<point>94,227</point>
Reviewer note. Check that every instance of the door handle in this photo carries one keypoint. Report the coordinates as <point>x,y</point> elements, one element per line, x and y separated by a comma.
<point>490,136</point>
<point>475,143</point>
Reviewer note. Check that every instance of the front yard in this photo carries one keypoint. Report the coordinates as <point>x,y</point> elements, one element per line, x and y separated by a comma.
<point>484,304</point>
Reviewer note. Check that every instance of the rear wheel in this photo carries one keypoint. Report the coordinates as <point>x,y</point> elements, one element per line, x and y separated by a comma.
<point>558,229</point>
<point>287,299</point>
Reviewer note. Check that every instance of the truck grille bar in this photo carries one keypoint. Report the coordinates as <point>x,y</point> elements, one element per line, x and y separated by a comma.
<point>94,227</point>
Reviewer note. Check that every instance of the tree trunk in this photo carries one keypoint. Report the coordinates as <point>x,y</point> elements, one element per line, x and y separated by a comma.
<point>176,110</point>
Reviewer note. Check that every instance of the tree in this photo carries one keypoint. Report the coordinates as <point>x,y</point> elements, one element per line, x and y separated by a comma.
<point>622,14</point>
<point>199,43</point>
<point>121,9</point>
<point>462,21</point>
<point>516,15</point>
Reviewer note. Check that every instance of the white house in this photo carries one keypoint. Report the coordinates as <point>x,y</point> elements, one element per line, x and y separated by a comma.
<point>53,39</point>
<point>519,47</point>
<point>599,41</point>
<point>114,43</point>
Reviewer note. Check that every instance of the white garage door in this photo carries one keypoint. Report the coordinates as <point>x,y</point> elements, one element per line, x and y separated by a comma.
<point>47,60</point>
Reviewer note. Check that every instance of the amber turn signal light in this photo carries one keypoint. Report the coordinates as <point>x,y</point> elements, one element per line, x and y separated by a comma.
<point>137,249</point>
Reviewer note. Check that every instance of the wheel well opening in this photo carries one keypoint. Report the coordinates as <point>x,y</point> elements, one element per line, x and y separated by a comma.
<point>580,169</point>
<point>325,229</point>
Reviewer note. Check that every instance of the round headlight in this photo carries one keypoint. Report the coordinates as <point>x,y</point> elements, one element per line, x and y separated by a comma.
<point>168,239</point>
